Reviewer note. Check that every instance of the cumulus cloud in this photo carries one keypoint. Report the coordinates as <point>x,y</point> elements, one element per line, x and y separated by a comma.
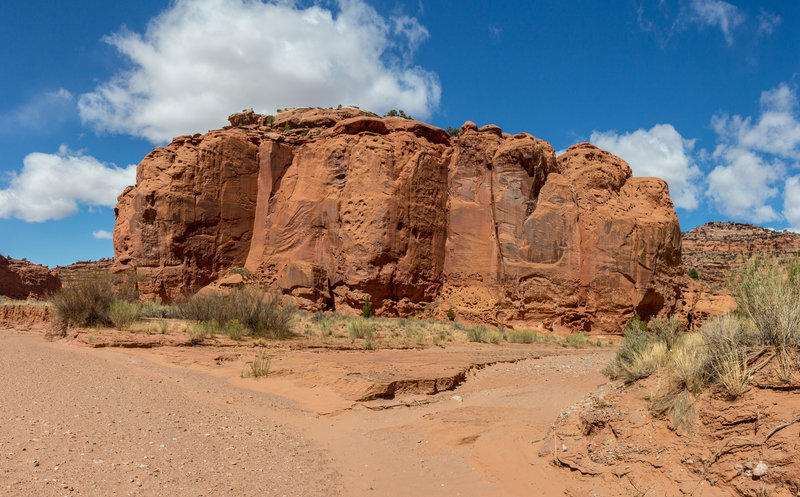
<point>201,60</point>
<point>41,112</point>
<point>103,235</point>
<point>743,187</point>
<point>775,131</point>
<point>716,13</point>
<point>51,186</point>
<point>661,152</point>
<point>753,154</point>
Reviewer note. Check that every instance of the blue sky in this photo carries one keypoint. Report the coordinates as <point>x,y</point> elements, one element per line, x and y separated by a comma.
<point>703,93</point>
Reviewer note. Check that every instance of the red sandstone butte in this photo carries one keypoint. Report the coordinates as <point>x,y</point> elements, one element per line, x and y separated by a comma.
<point>341,204</point>
<point>20,279</point>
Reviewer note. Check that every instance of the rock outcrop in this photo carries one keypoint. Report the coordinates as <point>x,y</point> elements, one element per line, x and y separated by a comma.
<point>20,279</point>
<point>332,206</point>
<point>716,249</point>
<point>80,270</point>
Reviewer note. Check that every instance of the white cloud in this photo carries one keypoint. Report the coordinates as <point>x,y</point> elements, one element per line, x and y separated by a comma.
<point>744,186</point>
<point>201,60</point>
<point>791,202</point>
<point>51,186</point>
<point>717,13</point>
<point>41,112</point>
<point>775,131</point>
<point>753,153</point>
<point>768,22</point>
<point>660,151</point>
<point>103,235</point>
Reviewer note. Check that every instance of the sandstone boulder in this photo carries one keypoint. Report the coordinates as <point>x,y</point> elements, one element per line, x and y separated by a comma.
<point>355,205</point>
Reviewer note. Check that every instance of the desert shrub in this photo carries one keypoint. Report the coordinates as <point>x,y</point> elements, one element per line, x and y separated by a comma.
<point>360,328</point>
<point>667,330</point>
<point>123,314</point>
<point>452,131</point>
<point>234,329</point>
<point>633,360</point>
<point>323,322</point>
<point>157,309</point>
<point>397,113</point>
<point>451,314</point>
<point>163,327</point>
<point>689,363</point>
<point>84,303</point>
<point>577,340</point>
<point>726,341</point>
<point>693,274</point>
<point>366,310</point>
<point>258,311</point>
<point>768,292</point>
<point>495,336</point>
<point>520,336</point>
<point>641,363</point>
<point>201,330</point>
<point>679,404</point>
<point>258,367</point>
<point>477,334</point>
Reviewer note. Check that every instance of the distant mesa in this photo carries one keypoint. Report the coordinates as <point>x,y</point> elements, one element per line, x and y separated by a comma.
<point>20,279</point>
<point>334,205</point>
<point>715,249</point>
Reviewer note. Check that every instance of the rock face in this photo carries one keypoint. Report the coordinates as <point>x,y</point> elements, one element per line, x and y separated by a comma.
<point>19,279</point>
<point>77,271</point>
<point>332,206</point>
<point>715,249</point>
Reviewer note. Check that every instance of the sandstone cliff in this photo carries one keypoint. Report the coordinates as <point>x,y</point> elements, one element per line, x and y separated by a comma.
<point>80,270</point>
<point>716,249</point>
<point>20,279</point>
<point>333,206</point>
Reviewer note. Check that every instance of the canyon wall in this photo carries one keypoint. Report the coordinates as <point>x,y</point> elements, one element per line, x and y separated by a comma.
<point>332,206</point>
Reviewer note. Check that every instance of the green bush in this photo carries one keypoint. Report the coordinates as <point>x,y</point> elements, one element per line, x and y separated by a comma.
<point>85,302</point>
<point>693,274</point>
<point>366,310</point>
<point>452,131</point>
<point>123,314</point>
<point>478,334</point>
<point>451,314</point>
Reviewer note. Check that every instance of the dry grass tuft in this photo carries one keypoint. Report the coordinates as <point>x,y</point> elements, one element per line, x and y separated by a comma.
<point>258,367</point>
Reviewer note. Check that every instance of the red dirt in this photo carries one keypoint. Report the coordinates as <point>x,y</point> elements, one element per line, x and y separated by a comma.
<point>180,420</point>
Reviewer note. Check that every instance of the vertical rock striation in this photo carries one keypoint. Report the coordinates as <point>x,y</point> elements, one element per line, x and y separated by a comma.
<point>332,206</point>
